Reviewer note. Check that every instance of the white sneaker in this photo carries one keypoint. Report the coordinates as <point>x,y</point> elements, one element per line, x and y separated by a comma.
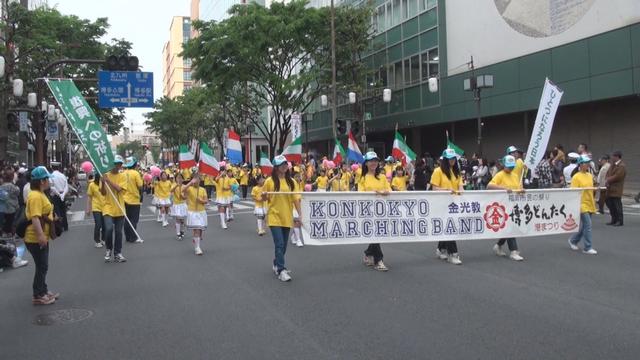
<point>98,245</point>
<point>573,246</point>
<point>498,250</point>
<point>590,252</point>
<point>293,240</point>
<point>442,255</point>
<point>107,256</point>
<point>299,243</point>
<point>368,260</point>
<point>120,258</point>
<point>284,275</point>
<point>275,269</point>
<point>380,266</point>
<point>515,256</point>
<point>454,259</point>
<point>165,224</point>
<point>18,262</point>
<point>139,241</point>
<point>198,251</point>
<point>224,226</point>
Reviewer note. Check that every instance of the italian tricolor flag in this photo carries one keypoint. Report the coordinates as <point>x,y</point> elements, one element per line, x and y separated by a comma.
<point>338,153</point>
<point>293,152</point>
<point>265,164</point>
<point>401,150</point>
<point>208,164</point>
<point>186,158</point>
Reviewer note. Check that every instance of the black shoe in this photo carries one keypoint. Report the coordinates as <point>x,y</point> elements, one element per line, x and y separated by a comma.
<point>618,224</point>
<point>611,223</point>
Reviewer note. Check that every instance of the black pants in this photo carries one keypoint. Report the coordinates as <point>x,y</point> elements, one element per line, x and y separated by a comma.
<point>41,259</point>
<point>615,208</point>
<point>98,229</point>
<point>511,243</point>
<point>244,189</point>
<point>374,250</point>
<point>61,210</point>
<point>209,190</point>
<point>450,246</point>
<point>113,228</point>
<point>133,213</point>
<point>9,218</point>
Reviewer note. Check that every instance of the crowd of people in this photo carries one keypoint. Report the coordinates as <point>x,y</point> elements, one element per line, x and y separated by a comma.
<point>34,200</point>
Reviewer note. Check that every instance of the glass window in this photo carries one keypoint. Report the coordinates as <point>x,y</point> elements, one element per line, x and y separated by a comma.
<point>434,62</point>
<point>383,76</point>
<point>186,75</point>
<point>398,74</point>
<point>396,12</point>
<point>388,16</point>
<point>415,69</point>
<point>413,8</point>
<point>425,65</point>
<point>392,78</point>
<point>405,9</point>
<point>381,20</point>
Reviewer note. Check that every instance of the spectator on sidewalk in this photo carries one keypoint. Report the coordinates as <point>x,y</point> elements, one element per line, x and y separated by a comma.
<point>615,187</point>
<point>9,202</point>
<point>601,180</point>
<point>59,190</point>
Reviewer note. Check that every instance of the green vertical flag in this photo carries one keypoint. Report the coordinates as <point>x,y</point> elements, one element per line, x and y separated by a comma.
<point>84,123</point>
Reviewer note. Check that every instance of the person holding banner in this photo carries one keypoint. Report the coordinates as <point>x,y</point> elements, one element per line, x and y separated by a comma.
<point>507,179</point>
<point>372,180</point>
<point>447,178</point>
<point>280,211</point>
<point>113,184</point>
<point>584,179</point>
<point>132,194</point>
<point>179,207</point>
<point>197,200</point>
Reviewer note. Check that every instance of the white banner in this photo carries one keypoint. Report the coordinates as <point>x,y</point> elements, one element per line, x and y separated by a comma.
<point>296,126</point>
<point>422,216</point>
<point>52,130</point>
<point>549,102</point>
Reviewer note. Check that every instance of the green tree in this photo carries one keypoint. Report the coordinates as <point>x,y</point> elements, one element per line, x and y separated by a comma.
<point>132,148</point>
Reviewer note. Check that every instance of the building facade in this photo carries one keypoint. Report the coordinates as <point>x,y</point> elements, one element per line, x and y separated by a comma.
<point>590,49</point>
<point>176,71</point>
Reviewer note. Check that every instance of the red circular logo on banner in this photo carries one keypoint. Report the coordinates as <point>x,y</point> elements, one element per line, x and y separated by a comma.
<point>496,216</point>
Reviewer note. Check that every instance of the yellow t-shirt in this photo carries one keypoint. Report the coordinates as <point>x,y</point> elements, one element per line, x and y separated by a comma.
<point>399,183</point>
<point>110,207</point>
<point>338,185</point>
<point>372,183</point>
<point>322,181</point>
<point>440,180</point>
<point>388,168</point>
<point>97,199</point>
<point>256,194</point>
<point>132,189</point>
<point>177,194</point>
<point>507,180</point>
<point>223,187</point>
<point>208,180</point>
<point>358,175</point>
<point>280,206</point>
<point>585,180</point>
<point>244,177</point>
<point>163,189</point>
<point>37,205</point>
<point>519,169</point>
<point>193,194</point>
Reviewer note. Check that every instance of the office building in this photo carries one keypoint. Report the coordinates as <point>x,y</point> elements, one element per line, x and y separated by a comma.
<point>176,71</point>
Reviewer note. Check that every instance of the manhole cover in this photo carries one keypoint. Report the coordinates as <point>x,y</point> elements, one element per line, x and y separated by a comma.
<point>61,317</point>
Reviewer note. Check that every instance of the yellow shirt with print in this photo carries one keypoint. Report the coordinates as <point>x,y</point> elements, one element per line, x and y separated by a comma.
<point>322,181</point>
<point>110,207</point>
<point>163,189</point>
<point>244,177</point>
<point>399,183</point>
<point>280,206</point>
<point>37,205</point>
<point>256,195</point>
<point>506,180</point>
<point>97,199</point>
<point>452,182</point>
<point>193,194</point>
<point>132,190</point>
<point>587,201</point>
<point>519,169</point>
<point>371,183</point>
<point>178,198</point>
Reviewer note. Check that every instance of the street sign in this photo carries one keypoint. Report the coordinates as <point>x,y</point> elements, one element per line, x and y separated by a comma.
<point>23,116</point>
<point>52,130</point>
<point>125,89</point>
<point>296,125</point>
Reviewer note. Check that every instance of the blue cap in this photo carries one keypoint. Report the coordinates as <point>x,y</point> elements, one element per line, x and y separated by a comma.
<point>131,162</point>
<point>371,155</point>
<point>118,159</point>
<point>279,160</point>
<point>584,159</point>
<point>509,161</point>
<point>512,148</point>
<point>40,173</point>
<point>389,159</point>
<point>449,154</point>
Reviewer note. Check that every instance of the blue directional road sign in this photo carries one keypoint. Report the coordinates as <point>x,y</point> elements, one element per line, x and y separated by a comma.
<point>125,89</point>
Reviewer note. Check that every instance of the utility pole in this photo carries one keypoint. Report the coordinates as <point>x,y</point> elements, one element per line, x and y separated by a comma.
<point>334,96</point>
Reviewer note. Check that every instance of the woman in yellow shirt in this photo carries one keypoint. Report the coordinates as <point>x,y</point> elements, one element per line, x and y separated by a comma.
<point>372,180</point>
<point>507,180</point>
<point>447,177</point>
<point>584,179</point>
<point>259,208</point>
<point>179,207</point>
<point>280,213</point>
<point>95,201</point>
<point>321,181</point>
<point>196,198</point>
<point>163,196</point>
<point>39,210</point>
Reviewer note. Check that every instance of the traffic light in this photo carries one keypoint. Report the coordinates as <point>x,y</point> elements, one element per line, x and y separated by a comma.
<point>121,63</point>
<point>342,127</point>
<point>355,127</point>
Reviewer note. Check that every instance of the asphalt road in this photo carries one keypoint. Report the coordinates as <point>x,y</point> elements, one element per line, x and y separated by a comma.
<point>166,303</point>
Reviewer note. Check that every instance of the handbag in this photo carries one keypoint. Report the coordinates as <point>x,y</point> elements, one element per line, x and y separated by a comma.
<point>22,223</point>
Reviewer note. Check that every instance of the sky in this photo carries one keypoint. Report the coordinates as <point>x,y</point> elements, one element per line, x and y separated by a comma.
<point>145,23</point>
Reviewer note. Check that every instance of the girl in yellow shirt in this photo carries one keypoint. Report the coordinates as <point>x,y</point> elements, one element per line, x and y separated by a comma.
<point>179,207</point>
<point>223,194</point>
<point>337,182</point>
<point>399,181</point>
<point>163,197</point>
<point>447,178</point>
<point>95,200</point>
<point>372,180</point>
<point>321,181</point>
<point>196,198</point>
<point>584,179</point>
<point>259,205</point>
<point>244,180</point>
<point>280,213</point>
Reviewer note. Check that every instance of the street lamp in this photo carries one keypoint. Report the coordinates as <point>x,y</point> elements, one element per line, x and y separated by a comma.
<point>18,87</point>
<point>476,84</point>
<point>32,100</point>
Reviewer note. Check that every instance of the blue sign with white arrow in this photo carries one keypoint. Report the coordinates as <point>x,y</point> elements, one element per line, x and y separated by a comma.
<point>125,89</point>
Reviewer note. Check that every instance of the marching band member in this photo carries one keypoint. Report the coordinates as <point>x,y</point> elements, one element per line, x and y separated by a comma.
<point>223,195</point>
<point>163,194</point>
<point>179,207</point>
<point>196,197</point>
<point>259,209</point>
